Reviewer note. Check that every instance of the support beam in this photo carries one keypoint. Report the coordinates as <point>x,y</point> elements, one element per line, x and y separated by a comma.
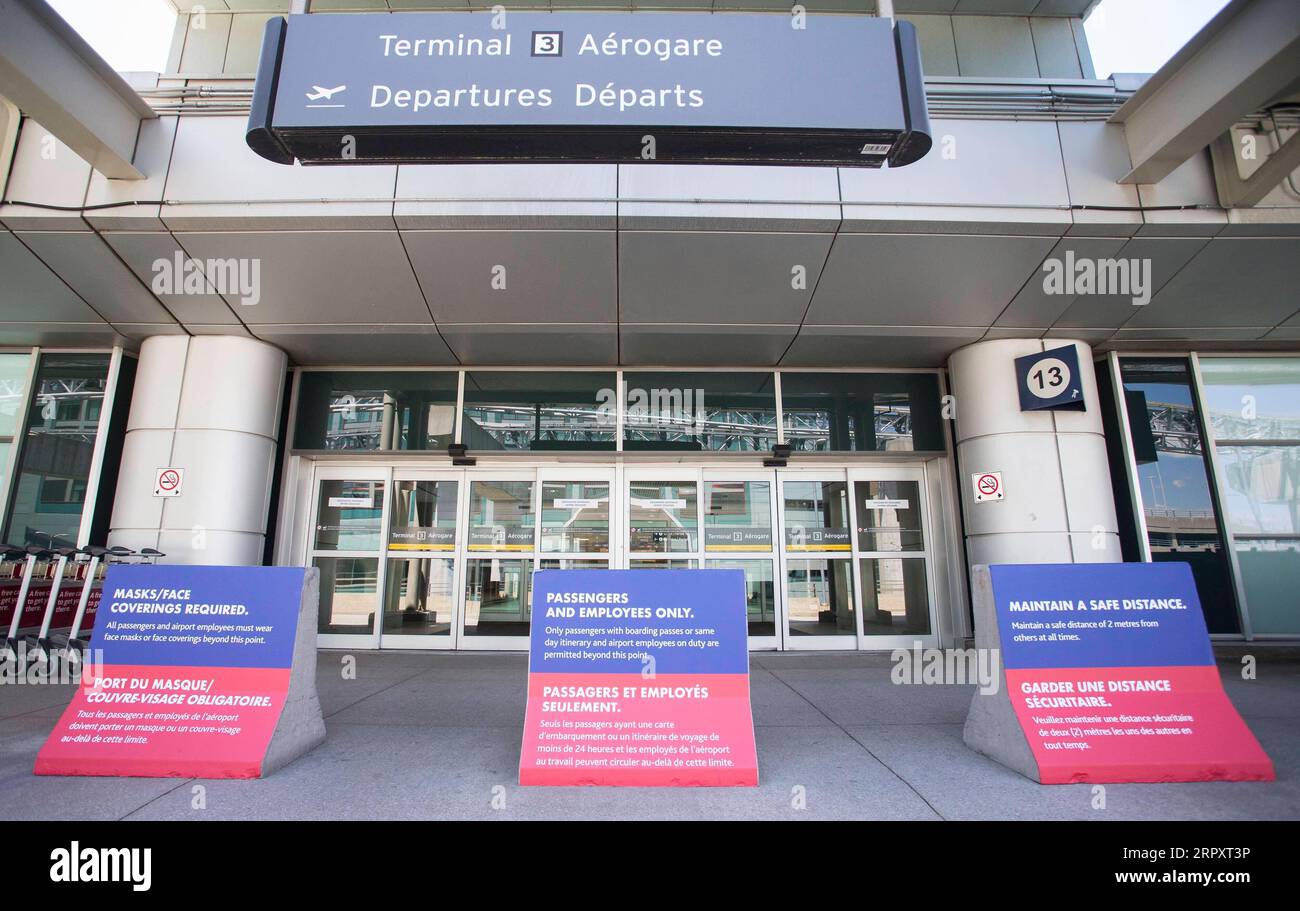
<point>1234,192</point>
<point>57,79</point>
<point>1244,57</point>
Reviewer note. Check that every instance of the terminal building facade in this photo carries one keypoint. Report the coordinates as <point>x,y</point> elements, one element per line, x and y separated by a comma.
<point>433,381</point>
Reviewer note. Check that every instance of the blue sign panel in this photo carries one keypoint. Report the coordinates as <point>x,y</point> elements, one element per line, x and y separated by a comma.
<point>1099,615</point>
<point>639,678</point>
<point>199,616</point>
<point>1050,380</point>
<point>690,621</point>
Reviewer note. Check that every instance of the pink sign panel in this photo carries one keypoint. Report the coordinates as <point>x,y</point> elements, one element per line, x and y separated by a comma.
<point>639,678</point>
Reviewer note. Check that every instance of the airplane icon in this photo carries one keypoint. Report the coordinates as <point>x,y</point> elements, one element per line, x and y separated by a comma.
<point>322,92</point>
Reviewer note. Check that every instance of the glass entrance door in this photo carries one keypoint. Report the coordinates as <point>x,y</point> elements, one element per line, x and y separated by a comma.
<point>739,533</point>
<point>856,560</point>
<point>500,552</point>
<point>345,541</point>
<point>817,565</point>
<point>445,558</point>
<point>691,518</point>
<point>421,567</point>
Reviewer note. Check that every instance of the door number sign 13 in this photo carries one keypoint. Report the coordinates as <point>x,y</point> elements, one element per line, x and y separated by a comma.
<point>1050,380</point>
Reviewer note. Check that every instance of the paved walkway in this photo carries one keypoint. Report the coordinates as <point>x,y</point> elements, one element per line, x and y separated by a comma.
<point>436,735</point>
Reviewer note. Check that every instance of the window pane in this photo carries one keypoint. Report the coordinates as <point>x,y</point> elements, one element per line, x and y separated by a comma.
<point>737,516</point>
<point>348,594</point>
<point>863,412</point>
<point>1270,571</point>
<point>760,595</point>
<point>575,517</point>
<point>661,516</point>
<point>889,515</point>
<point>375,410</point>
<point>894,598</point>
<point>1173,481</point>
<point>349,515</point>
<point>501,515</point>
<point>539,410</point>
<point>424,516</point>
<point>1252,398</point>
<point>1261,489</point>
<point>714,412</point>
<point>816,516</point>
<point>13,383</point>
<point>49,493</point>
<point>819,597</point>
<point>498,597</point>
<point>421,593</point>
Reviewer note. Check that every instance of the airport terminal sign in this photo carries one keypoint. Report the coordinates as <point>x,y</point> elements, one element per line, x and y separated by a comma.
<point>1109,673</point>
<point>589,87</point>
<point>639,677</point>
<point>194,675</point>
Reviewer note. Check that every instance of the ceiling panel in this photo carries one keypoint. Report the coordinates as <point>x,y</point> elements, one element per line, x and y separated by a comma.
<point>923,280</point>
<point>875,346</point>
<point>511,345</point>
<point>98,276</point>
<point>321,276</point>
<point>350,345</point>
<point>1034,306</point>
<point>1230,282</point>
<point>701,346</point>
<point>548,276</point>
<point>667,277</point>
<point>30,291</point>
<point>1167,255</point>
<point>147,252</point>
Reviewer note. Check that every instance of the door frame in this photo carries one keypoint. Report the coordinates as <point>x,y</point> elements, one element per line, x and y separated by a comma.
<point>456,555</point>
<point>321,473</point>
<point>619,475</point>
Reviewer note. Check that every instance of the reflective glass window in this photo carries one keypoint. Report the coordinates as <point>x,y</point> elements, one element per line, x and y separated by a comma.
<point>539,410</point>
<point>861,412</point>
<point>57,448</point>
<point>1174,481</point>
<point>707,411</point>
<point>369,410</point>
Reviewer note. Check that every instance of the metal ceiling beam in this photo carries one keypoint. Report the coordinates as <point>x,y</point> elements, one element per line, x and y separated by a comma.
<point>1244,57</point>
<point>57,79</point>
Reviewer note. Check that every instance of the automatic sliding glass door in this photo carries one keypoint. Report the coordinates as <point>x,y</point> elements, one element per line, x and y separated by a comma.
<point>345,542</point>
<point>422,573</point>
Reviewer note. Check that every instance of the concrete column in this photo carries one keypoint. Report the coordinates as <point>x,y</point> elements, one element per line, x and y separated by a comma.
<point>1058,506</point>
<point>209,405</point>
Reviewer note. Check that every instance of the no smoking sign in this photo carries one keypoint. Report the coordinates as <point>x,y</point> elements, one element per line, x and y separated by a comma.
<point>167,482</point>
<point>987,485</point>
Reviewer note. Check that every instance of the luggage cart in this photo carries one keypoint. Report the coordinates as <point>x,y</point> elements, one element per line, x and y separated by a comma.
<point>12,560</point>
<point>40,644</point>
<point>73,645</point>
<point>34,554</point>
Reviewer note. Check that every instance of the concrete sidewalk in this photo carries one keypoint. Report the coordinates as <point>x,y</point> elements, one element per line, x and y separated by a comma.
<point>436,736</point>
